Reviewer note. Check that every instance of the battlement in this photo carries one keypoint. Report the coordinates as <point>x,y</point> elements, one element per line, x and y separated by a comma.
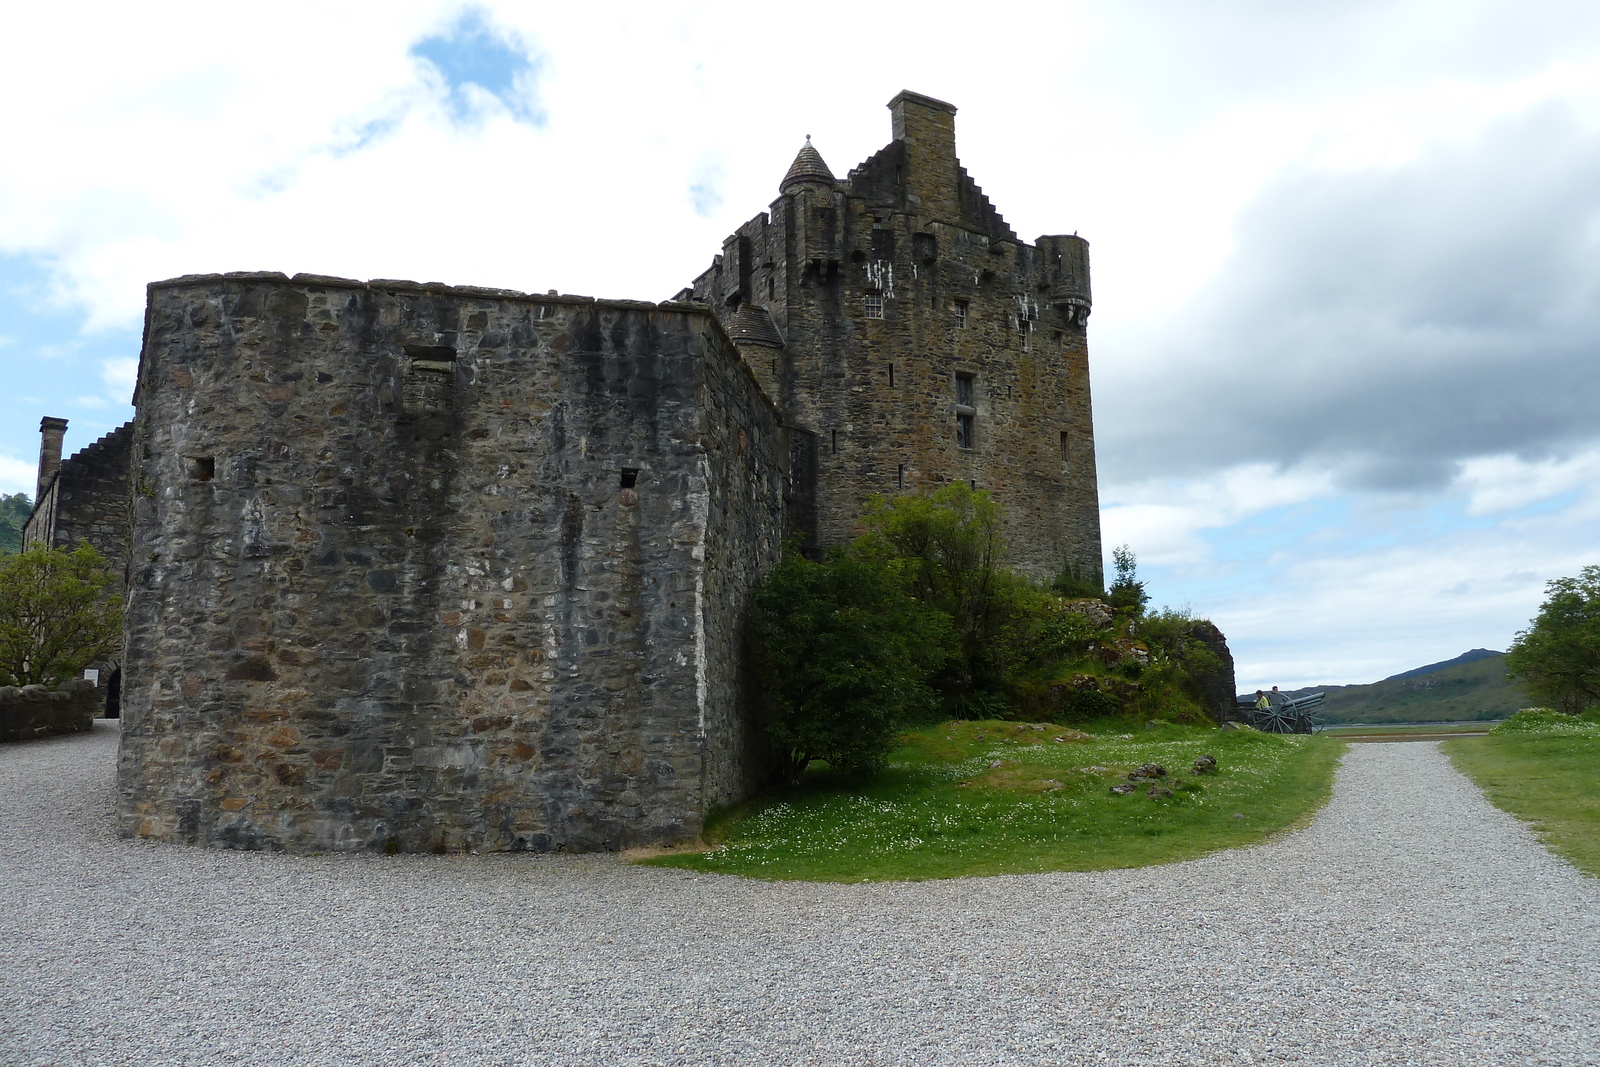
<point>897,318</point>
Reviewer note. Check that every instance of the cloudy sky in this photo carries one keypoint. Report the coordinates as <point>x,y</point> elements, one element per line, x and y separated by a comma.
<point>1346,252</point>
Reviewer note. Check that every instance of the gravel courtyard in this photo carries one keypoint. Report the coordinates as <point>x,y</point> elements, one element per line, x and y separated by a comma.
<point>1412,923</point>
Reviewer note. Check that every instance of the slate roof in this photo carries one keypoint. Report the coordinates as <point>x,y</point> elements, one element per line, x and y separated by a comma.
<point>807,166</point>
<point>751,325</point>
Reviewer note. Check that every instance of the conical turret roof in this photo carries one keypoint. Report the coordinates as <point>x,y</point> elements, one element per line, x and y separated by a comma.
<point>807,167</point>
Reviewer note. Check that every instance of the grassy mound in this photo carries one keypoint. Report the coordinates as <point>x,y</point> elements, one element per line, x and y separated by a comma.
<point>1544,768</point>
<point>980,798</point>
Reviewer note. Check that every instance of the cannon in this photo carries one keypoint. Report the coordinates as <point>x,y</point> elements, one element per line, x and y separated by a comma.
<point>1282,716</point>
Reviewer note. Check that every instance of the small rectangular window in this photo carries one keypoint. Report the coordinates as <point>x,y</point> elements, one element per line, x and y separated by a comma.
<point>202,468</point>
<point>964,390</point>
<point>1025,328</point>
<point>964,431</point>
<point>961,314</point>
<point>1066,450</point>
<point>900,477</point>
<point>874,304</point>
<point>891,376</point>
<point>630,477</point>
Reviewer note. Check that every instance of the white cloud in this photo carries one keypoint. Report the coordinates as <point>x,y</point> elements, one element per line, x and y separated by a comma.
<point>120,376</point>
<point>18,476</point>
<point>1506,483</point>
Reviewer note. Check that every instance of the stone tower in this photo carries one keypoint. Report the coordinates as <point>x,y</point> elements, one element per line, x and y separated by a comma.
<point>898,320</point>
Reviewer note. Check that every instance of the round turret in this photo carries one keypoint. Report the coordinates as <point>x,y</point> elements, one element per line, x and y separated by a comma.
<point>807,167</point>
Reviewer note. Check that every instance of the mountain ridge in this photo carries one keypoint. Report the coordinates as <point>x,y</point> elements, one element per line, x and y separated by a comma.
<point>1472,687</point>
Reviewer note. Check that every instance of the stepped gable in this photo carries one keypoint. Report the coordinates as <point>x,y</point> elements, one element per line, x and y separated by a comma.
<point>974,201</point>
<point>807,166</point>
<point>752,325</point>
<point>107,445</point>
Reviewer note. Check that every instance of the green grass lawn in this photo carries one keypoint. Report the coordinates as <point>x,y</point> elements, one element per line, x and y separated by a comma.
<point>978,798</point>
<point>1548,777</point>
<point>1431,729</point>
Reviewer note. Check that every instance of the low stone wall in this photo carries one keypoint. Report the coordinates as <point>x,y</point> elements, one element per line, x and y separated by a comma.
<point>34,711</point>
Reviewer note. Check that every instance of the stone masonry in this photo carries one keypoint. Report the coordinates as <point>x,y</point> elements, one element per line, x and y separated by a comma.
<point>898,319</point>
<point>416,567</point>
<point>424,568</point>
<point>85,498</point>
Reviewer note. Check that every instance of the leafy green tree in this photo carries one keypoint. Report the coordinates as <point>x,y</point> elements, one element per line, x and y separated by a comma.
<point>949,545</point>
<point>14,512</point>
<point>1558,655</point>
<point>1127,594</point>
<point>56,614</point>
<point>843,655</point>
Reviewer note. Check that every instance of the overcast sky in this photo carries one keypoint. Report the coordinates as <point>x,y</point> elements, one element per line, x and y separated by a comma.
<point>1346,254</point>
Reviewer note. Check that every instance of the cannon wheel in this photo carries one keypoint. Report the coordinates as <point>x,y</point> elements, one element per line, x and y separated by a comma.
<point>1282,719</point>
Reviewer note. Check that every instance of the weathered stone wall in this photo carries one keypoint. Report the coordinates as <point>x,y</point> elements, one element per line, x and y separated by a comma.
<point>1217,687</point>
<point>427,568</point>
<point>909,237</point>
<point>33,711</point>
<point>85,498</point>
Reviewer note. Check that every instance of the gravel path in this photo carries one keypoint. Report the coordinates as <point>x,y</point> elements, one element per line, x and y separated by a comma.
<point>1412,923</point>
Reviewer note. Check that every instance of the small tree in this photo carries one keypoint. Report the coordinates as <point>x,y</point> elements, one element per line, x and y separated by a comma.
<point>14,512</point>
<point>843,655</point>
<point>56,616</point>
<point>948,543</point>
<point>1558,655</point>
<point>1127,594</point>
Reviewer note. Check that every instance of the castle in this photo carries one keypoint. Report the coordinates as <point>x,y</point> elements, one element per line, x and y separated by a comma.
<point>419,567</point>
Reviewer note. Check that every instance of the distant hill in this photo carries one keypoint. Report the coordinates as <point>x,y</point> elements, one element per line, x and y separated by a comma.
<point>1465,657</point>
<point>1470,688</point>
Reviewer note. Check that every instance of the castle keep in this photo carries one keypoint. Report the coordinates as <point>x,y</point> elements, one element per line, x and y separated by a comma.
<point>896,317</point>
<point>426,567</point>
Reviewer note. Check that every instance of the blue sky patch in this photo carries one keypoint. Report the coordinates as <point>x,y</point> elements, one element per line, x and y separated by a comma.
<point>50,366</point>
<point>473,53</point>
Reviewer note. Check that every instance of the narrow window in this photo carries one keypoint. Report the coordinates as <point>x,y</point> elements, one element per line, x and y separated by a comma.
<point>891,376</point>
<point>961,314</point>
<point>966,413</point>
<point>1066,451</point>
<point>900,477</point>
<point>1057,337</point>
<point>1025,328</point>
<point>964,390</point>
<point>874,302</point>
<point>772,286</point>
<point>973,482</point>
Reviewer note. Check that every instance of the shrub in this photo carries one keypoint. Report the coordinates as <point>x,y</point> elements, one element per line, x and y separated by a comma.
<point>843,656</point>
<point>948,545</point>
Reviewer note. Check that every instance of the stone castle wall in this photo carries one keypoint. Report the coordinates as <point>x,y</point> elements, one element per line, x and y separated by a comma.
<point>885,291</point>
<point>86,499</point>
<point>428,568</point>
<point>32,711</point>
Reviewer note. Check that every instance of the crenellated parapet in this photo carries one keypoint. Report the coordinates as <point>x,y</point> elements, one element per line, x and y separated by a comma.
<point>919,340</point>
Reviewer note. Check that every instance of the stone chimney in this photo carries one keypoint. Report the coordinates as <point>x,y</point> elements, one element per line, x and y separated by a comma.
<point>51,431</point>
<point>927,127</point>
